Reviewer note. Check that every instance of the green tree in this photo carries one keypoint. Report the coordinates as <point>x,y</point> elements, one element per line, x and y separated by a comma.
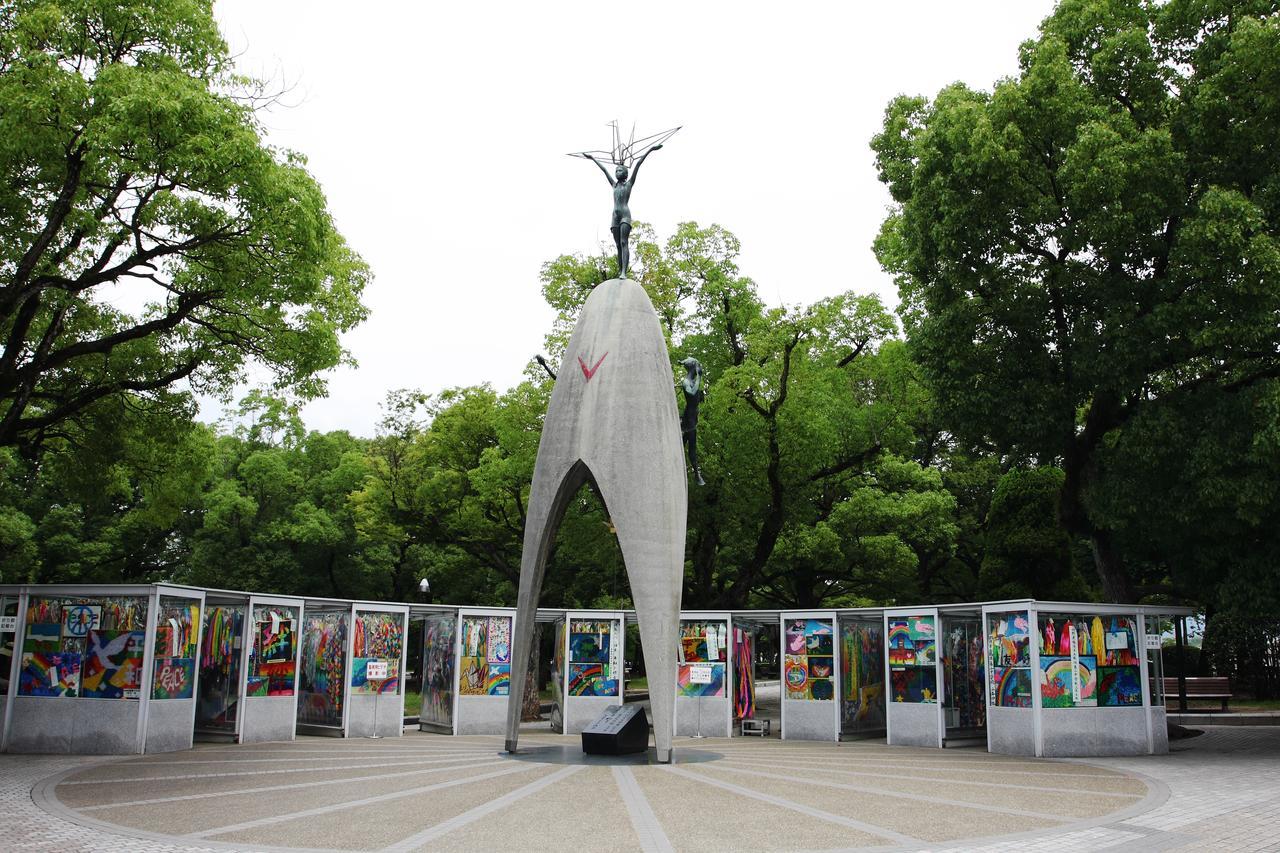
<point>1026,552</point>
<point>1095,238</point>
<point>148,236</point>
<point>112,505</point>
<point>277,513</point>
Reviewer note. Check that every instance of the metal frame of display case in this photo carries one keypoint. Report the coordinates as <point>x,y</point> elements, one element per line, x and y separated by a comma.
<point>226,598</point>
<point>379,721</point>
<point>428,611</point>
<point>256,724</point>
<point>74,721</point>
<point>116,725</point>
<point>1129,730</point>
<point>872,615</point>
<point>580,711</point>
<point>923,724</point>
<point>720,722</point>
<point>801,720</point>
<point>1013,730</point>
<point>170,737</point>
<point>311,607</point>
<point>948,613</point>
<point>478,715</point>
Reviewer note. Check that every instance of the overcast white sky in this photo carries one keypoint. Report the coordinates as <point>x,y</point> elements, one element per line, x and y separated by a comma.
<point>438,131</point>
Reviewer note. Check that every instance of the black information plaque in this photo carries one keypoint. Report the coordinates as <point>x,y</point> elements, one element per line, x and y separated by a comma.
<point>620,730</point>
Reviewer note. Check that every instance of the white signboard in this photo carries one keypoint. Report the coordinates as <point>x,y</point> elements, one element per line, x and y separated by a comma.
<point>1075,663</point>
<point>700,673</point>
<point>8,623</point>
<point>376,670</point>
<point>1153,641</point>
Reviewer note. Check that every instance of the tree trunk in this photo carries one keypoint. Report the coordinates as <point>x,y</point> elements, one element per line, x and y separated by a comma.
<point>531,702</point>
<point>1077,467</point>
<point>1116,585</point>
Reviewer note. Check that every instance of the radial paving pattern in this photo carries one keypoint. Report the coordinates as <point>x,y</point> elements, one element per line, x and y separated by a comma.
<point>445,793</point>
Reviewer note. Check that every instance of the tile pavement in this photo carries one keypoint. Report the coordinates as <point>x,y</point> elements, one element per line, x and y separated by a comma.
<point>1224,795</point>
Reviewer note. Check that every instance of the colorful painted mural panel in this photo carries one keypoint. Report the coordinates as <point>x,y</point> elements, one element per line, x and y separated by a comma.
<point>1011,687</point>
<point>112,665</point>
<point>49,674</point>
<point>809,664</point>
<point>591,679</point>
<point>1119,686</point>
<point>497,680</point>
<point>686,686</point>
<point>1068,682</point>
<point>472,675</point>
<point>361,683</point>
<point>499,639</point>
<point>273,658</point>
<point>174,678</point>
<point>377,636</point>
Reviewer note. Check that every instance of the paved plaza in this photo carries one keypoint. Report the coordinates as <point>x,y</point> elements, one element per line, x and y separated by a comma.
<point>1218,791</point>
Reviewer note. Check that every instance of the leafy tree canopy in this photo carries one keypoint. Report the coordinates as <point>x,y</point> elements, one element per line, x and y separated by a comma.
<point>1096,238</point>
<point>149,240</point>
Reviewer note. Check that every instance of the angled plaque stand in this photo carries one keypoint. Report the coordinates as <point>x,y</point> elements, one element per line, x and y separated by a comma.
<point>612,420</point>
<point>621,730</point>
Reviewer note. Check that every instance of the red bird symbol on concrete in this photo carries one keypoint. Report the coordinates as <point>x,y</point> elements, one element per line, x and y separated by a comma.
<point>588,372</point>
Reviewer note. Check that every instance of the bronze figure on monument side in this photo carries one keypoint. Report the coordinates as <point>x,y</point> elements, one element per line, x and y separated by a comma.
<point>627,158</point>
<point>694,393</point>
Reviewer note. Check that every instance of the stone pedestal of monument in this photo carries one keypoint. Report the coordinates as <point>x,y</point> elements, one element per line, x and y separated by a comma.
<point>613,420</point>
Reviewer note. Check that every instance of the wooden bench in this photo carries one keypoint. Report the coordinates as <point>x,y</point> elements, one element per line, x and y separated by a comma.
<point>1208,687</point>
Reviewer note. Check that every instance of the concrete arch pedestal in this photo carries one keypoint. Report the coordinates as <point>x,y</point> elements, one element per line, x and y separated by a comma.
<point>612,420</point>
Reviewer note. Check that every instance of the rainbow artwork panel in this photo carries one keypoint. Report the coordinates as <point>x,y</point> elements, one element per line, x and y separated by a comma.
<point>497,680</point>
<point>912,641</point>
<point>1011,687</point>
<point>376,637</point>
<point>49,674</point>
<point>1057,677</point>
<point>591,679</point>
